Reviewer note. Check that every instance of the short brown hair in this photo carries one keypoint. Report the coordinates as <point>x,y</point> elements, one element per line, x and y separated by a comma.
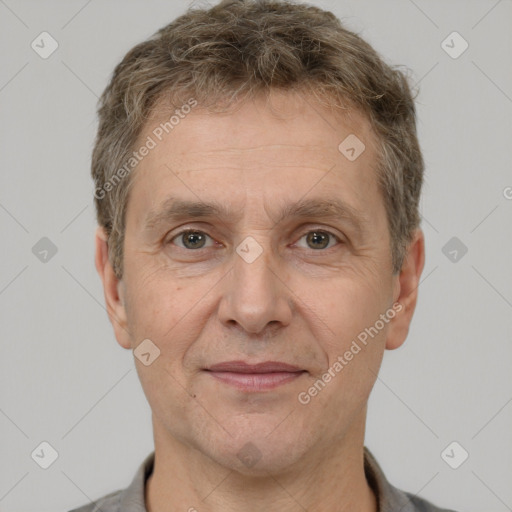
<point>236,50</point>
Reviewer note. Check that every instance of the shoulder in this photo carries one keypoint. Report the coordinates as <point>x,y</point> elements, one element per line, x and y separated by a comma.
<point>130,499</point>
<point>108,503</point>
<point>391,498</point>
<point>422,505</point>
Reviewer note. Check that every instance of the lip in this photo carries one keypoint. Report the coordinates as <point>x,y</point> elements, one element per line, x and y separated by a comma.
<point>254,377</point>
<point>243,367</point>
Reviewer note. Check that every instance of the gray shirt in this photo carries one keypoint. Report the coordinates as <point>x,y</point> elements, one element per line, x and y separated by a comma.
<point>389,498</point>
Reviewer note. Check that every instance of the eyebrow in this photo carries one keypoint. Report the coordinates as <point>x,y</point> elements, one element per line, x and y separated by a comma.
<point>175,209</point>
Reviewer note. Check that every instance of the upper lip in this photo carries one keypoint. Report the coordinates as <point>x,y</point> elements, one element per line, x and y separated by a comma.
<point>243,367</point>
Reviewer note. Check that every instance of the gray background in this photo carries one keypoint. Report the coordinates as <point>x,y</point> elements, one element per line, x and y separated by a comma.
<point>64,378</point>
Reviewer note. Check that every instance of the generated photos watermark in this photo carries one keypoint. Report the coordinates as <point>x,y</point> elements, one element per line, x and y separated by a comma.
<point>305,397</point>
<point>150,143</point>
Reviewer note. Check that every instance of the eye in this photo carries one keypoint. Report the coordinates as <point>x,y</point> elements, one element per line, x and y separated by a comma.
<point>190,239</point>
<point>319,239</point>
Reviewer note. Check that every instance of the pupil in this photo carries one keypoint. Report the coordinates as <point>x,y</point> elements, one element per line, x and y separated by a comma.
<point>315,236</point>
<point>194,238</point>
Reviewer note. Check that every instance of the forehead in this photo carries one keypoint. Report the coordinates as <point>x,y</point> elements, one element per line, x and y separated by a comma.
<point>291,121</point>
<point>276,147</point>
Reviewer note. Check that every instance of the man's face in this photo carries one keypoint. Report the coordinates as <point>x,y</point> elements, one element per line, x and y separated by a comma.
<point>258,281</point>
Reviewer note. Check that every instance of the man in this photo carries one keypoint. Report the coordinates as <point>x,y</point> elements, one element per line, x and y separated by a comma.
<point>257,178</point>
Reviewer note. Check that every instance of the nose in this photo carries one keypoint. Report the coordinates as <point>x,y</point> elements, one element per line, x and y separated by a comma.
<point>255,295</point>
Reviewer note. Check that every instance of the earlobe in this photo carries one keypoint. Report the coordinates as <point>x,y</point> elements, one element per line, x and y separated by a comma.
<point>407,290</point>
<point>113,290</point>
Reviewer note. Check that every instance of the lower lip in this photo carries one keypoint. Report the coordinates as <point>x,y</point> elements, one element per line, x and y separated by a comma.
<point>256,381</point>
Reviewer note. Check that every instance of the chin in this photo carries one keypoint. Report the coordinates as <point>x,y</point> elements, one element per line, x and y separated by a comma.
<point>263,454</point>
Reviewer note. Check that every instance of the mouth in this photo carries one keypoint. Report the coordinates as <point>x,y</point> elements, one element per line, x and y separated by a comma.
<point>255,377</point>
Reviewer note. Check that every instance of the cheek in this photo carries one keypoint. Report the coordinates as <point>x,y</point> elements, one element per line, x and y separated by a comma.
<point>345,307</point>
<point>157,299</point>
<point>157,309</point>
<point>353,336</point>
<point>166,313</point>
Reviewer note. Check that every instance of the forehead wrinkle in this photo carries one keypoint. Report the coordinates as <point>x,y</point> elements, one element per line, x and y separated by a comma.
<point>270,166</point>
<point>295,147</point>
<point>318,155</point>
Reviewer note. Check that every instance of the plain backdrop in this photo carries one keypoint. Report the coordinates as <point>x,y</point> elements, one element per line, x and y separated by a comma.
<point>66,381</point>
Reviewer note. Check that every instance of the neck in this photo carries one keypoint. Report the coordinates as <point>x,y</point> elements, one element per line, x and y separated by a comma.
<point>333,480</point>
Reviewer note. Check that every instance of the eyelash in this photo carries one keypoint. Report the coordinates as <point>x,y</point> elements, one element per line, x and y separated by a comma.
<point>185,231</point>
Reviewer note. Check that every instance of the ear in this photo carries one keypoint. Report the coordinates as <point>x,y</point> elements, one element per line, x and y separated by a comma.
<point>113,289</point>
<point>406,294</point>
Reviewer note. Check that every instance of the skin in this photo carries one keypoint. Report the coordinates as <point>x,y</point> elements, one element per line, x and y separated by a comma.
<point>295,303</point>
